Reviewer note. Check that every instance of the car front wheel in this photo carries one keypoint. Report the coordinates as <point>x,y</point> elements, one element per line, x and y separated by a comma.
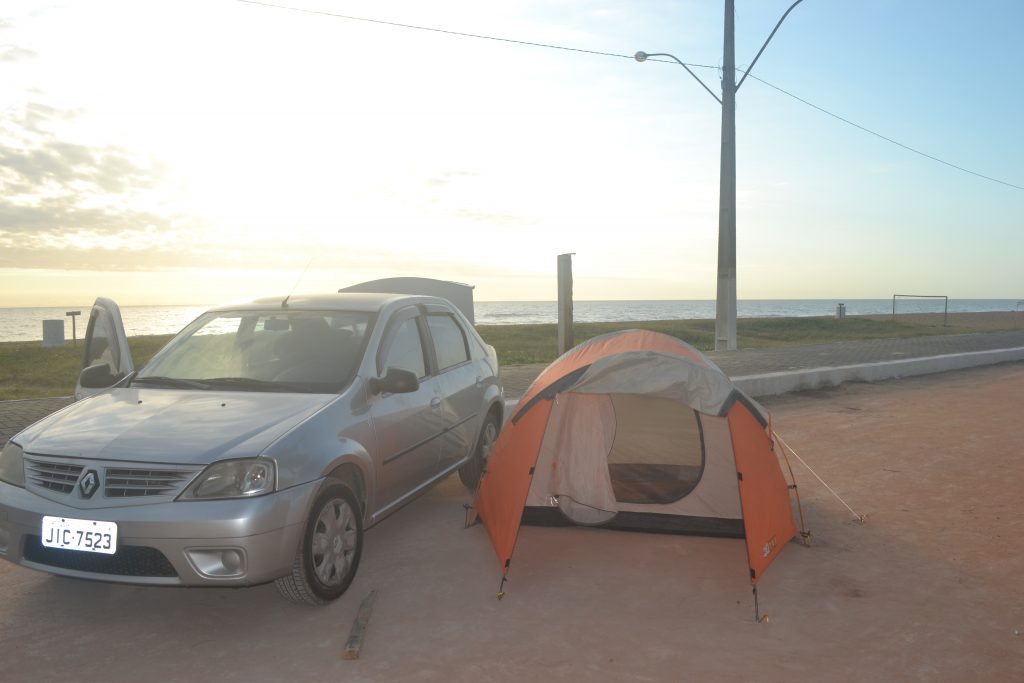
<point>328,556</point>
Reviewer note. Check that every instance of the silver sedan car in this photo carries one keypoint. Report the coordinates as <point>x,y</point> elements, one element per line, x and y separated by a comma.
<point>255,447</point>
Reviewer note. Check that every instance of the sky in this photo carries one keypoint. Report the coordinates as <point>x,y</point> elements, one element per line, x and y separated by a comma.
<point>196,152</point>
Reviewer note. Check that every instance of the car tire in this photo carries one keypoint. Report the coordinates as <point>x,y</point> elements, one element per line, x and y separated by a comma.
<point>328,556</point>
<point>473,469</point>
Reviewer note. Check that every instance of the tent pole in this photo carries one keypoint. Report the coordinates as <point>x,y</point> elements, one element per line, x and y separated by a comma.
<point>805,534</point>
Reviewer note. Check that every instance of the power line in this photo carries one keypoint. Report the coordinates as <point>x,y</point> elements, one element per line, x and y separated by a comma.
<point>887,139</point>
<point>433,30</point>
<point>746,73</point>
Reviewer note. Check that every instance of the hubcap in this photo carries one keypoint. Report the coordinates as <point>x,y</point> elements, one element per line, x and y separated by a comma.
<point>334,542</point>
<point>487,442</point>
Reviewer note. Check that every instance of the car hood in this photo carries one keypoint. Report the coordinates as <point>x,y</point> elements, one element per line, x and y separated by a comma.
<point>170,426</point>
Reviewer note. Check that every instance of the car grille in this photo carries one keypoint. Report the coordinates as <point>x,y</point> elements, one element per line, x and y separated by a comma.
<point>52,475</point>
<point>127,480</point>
<point>129,560</point>
<point>125,483</point>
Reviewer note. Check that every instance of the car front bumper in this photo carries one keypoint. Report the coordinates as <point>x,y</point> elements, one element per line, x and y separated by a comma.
<point>237,542</point>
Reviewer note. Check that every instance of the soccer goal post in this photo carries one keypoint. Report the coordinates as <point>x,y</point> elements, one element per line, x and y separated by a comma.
<point>945,305</point>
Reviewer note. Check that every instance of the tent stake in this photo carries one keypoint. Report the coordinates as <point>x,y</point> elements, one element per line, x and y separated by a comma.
<point>757,612</point>
<point>472,516</point>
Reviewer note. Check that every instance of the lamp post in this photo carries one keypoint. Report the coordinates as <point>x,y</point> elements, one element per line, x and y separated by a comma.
<point>725,301</point>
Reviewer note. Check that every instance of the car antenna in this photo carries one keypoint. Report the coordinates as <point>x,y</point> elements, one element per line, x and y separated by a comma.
<point>284,304</point>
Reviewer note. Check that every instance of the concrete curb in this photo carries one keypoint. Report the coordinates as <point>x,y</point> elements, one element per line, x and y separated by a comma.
<point>774,383</point>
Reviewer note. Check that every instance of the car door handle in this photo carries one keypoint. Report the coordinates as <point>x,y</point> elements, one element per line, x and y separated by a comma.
<point>435,403</point>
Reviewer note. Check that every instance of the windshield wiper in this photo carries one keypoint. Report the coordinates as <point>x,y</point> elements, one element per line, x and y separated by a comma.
<point>247,384</point>
<point>175,382</point>
<point>253,384</point>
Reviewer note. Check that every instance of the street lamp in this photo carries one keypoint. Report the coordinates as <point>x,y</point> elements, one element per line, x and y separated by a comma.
<point>725,302</point>
<point>642,57</point>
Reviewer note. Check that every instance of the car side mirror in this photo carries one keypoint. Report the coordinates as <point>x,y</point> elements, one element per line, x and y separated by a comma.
<point>98,376</point>
<point>395,381</point>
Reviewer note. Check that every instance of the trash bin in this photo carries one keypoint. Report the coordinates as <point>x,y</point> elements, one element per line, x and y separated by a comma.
<point>53,333</point>
<point>840,311</point>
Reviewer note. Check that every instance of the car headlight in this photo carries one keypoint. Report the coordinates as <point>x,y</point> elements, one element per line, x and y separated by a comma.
<point>233,479</point>
<point>12,464</point>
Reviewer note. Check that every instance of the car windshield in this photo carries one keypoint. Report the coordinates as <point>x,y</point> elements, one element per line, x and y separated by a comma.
<point>280,350</point>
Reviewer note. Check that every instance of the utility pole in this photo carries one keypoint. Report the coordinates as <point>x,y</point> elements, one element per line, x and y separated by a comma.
<point>565,335</point>
<point>725,303</point>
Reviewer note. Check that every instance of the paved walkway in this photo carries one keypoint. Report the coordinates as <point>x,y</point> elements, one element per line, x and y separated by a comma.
<point>16,415</point>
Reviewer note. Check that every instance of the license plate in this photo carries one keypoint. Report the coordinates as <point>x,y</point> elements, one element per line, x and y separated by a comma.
<point>80,534</point>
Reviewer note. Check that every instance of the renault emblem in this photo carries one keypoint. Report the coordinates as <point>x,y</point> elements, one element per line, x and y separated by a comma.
<point>89,483</point>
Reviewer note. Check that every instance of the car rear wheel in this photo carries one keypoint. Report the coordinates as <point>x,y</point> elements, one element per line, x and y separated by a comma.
<point>328,556</point>
<point>470,473</point>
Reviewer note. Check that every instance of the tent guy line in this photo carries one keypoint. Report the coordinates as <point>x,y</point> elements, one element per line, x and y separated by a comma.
<point>860,517</point>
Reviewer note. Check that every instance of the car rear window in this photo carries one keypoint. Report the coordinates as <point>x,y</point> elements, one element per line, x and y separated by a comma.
<point>449,340</point>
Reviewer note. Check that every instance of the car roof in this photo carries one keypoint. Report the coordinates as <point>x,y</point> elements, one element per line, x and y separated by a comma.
<point>368,302</point>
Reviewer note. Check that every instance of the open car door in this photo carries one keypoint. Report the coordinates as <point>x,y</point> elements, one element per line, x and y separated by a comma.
<point>107,358</point>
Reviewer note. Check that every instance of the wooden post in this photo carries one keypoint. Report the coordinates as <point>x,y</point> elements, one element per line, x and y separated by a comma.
<point>355,639</point>
<point>565,338</point>
<point>74,334</point>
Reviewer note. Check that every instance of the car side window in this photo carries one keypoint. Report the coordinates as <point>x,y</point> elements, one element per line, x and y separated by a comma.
<point>449,340</point>
<point>406,352</point>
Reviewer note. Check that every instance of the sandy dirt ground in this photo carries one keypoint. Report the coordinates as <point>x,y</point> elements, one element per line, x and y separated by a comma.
<point>927,590</point>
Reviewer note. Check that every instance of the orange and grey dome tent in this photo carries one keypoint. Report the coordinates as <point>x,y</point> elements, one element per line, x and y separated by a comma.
<point>638,430</point>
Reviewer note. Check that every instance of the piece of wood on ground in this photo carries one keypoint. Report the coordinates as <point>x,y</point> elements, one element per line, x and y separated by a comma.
<point>355,638</point>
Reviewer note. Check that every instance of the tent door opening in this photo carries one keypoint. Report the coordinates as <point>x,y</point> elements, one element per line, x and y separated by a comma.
<point>607,449</point>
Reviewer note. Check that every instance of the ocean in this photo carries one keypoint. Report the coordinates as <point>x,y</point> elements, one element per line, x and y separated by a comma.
<point>26,324</point>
